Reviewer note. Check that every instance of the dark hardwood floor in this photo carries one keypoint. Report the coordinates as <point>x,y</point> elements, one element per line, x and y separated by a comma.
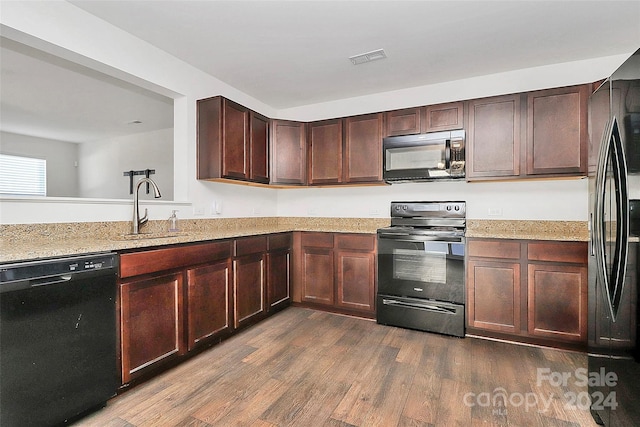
<point>309,368</point>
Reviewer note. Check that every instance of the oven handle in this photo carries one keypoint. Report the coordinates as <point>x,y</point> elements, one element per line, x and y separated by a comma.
<point>404,237</point>
<point>425,306</point>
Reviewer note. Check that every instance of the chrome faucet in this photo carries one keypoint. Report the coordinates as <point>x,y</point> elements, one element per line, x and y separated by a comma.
<point>137,221</point>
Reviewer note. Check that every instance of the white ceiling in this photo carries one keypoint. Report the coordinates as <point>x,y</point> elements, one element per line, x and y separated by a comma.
<point>292,53</point>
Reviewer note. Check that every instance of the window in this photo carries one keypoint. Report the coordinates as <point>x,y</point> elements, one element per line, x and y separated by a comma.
<point>23,176</point>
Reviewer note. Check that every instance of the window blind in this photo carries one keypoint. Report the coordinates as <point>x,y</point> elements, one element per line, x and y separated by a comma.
<point>23,175</point>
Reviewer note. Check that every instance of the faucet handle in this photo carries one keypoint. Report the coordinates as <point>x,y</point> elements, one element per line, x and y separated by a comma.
<point>144,217</point>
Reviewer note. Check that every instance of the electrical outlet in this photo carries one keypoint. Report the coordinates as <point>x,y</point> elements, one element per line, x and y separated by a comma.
<point>495,212</point>
<point>198,210</point>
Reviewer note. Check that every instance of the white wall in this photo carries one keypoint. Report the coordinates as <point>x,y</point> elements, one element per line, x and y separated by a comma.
<point>61,28</point>
<point>545,200</point>
<point>61,157</point>
<point>101,164</point>
<point>65,30</point>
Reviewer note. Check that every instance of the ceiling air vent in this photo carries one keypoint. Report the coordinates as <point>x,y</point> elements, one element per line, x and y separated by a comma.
<point>374,55</point>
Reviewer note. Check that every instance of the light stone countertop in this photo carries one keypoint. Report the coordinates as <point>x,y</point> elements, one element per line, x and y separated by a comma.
<point>37,241</point>
<point>529,230</point>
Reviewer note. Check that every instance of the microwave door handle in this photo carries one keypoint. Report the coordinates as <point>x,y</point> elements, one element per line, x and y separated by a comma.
<point>447,154</point>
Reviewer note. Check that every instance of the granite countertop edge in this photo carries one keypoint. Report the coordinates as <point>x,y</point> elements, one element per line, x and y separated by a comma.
<point>41,241</point>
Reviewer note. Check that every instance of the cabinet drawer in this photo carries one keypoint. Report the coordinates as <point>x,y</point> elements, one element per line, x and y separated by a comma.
<point>318,240</point>
<point>361,242</point>
<point>573,252</point>
<point>152,261</point>
<point>279,241</point>
<point>503,249</point>
<point>250,245</point>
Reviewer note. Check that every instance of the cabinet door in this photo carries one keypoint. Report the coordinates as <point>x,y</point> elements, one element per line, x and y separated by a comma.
<point>557,296</point>
<point>259,148</point>
<point>356,279</point>
<point>279,279</point>
<point>493,140</point>
<point>493,295</point>
<point>443,117</point>
<point>317,275</point>
<point>208,302</point>
<point>325,152</point>
<point>209,128</point>
<point>248,288</point>
<point>235,140</point>
<point>288,153</point>
<point>557,131</point>
<point>151,323</point>
<point>402,122</point>
<point>363,148</point>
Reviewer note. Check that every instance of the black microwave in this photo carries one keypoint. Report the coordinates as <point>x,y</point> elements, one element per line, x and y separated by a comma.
<point>423,157</point>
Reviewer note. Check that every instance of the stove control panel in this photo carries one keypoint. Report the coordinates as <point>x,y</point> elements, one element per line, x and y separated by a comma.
<point>455,209</point>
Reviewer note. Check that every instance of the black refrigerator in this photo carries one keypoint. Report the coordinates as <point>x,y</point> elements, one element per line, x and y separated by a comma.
<point>614,187</point>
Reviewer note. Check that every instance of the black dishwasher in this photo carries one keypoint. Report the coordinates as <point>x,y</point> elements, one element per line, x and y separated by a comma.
<point>57,338</point>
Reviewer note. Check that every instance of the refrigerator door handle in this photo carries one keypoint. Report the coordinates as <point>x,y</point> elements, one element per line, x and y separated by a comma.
<point>612,152</point>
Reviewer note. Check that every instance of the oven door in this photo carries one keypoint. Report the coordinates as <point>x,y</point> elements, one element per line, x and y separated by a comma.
<point>421,266</point>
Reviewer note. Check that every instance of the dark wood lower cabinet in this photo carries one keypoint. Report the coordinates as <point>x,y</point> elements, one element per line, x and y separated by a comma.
<point>532,291</point>
<point>209,302</point>
<point>337,271</point>
<point>177,300</point>
<point>356,272</point>
<point>249,279</point>
<point>557,296</point>
<point>279,271</point>
<point>317,282</point>
<point>248,288</point>
<point>151,323</point>
<point>494,295</point>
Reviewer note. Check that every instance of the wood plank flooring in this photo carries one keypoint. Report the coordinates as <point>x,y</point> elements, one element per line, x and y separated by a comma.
<point>309,368</point>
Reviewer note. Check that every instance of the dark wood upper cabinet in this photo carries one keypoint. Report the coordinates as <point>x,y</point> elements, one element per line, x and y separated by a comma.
<point>363,148</point>
<point>557,136</point>
<point>233,141</point>
<point>542,133</point>
<point>325,152</point>
<point>430,118</point>
<point>443,117</point>
<point>402,122</point>
<point>259,148</point>
<point>494,137</point>
<point>288,152</point>
<point>348,150</point>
